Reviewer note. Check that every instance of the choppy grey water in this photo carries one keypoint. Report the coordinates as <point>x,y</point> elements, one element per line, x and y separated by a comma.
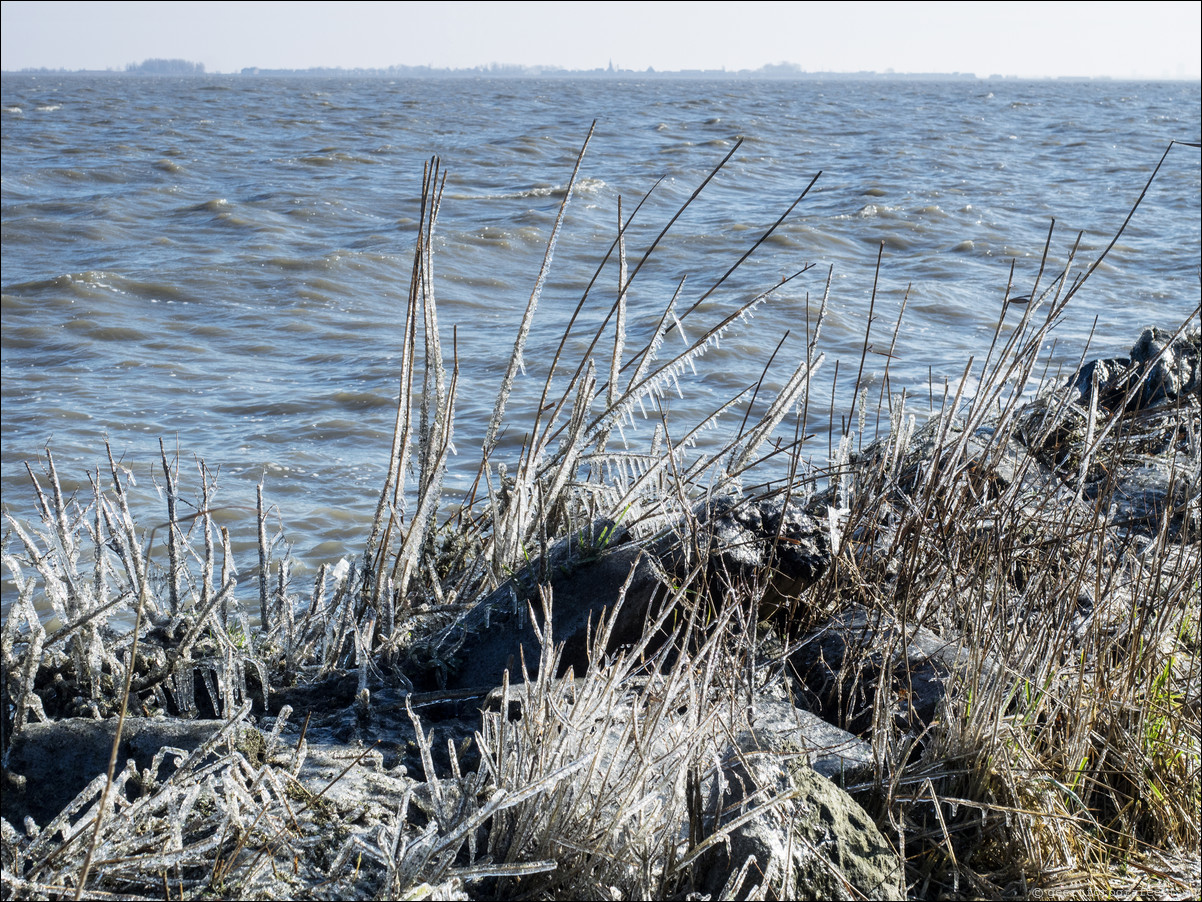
<point>222,262</point>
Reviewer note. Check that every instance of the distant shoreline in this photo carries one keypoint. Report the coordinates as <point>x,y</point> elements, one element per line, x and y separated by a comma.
<point>530,73</point>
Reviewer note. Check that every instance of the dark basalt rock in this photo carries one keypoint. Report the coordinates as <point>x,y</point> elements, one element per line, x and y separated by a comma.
<point>771,543</point>
<point>1158,371</point>
<point>498,634</point>
<point>1147,464</point>
<point>918,664</point>
<point>820,833</point>
<point>51,763</point>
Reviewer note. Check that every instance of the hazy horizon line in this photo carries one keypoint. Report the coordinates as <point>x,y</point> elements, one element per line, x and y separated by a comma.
<point>514,70</point>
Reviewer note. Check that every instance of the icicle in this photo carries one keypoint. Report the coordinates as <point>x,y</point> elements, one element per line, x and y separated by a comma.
<point>679,328</point>
<point>185,691</point>
<point>832,519</point>
<point>215,695</point>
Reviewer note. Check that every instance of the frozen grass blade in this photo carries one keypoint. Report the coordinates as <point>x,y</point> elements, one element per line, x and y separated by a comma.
<point>515,359</point>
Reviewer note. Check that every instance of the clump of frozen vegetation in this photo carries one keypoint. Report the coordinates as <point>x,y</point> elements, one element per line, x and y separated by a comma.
<point>1062,752</point>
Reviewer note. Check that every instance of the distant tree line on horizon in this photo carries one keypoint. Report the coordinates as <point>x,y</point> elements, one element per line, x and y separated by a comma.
<point>166,67</point>
<point>783,70</point>
<point>503,70</point>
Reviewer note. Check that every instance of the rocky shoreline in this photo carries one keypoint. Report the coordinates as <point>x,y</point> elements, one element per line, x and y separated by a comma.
<point>773,697</point>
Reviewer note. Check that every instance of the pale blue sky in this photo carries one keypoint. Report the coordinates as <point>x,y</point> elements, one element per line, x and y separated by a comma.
<point>1029,39</point>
